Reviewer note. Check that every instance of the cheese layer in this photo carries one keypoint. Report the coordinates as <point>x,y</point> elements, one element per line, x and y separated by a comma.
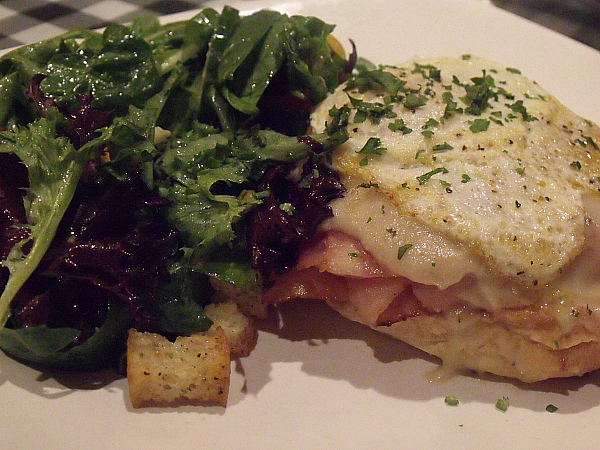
<point>477,162</point>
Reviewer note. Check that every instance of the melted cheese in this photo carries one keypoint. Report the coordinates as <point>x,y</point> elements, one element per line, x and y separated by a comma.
<point>511,195</point>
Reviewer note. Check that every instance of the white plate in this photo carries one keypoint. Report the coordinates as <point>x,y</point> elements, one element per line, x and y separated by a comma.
<point>320,381</point>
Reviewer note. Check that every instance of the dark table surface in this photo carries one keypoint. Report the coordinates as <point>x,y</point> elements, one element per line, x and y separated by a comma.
<point>25,21</point>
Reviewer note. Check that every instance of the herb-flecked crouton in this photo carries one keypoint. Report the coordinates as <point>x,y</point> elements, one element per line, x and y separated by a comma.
<point>239,329</point>
<point>193,370</point>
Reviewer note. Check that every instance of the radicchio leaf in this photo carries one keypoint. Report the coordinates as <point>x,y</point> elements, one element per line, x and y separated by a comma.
<point>112,244</point>
<point>290,214</point>
<point>83,122</point>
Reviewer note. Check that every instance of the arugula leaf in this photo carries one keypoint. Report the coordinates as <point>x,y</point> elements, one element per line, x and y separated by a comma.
<point>120,73</point>
<point>311,65</point>
<point>181,301</point>
<point>52,346</point>
<point>203,88</point>
<point>227,266</point>
<point>32,59</point>
<point>11,97</point>
<point>249,37</point>
<point>54,170</point>
<point>179,42</point>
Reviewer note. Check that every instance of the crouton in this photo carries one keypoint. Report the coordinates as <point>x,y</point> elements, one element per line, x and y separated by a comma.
<point>193,370</point>
<point>249,302</point>
<point>239,329</point>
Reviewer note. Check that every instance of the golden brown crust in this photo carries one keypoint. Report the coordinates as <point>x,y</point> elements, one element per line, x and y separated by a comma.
<point>239,329</point>
<point>248,301</point>
<point>478,342</point>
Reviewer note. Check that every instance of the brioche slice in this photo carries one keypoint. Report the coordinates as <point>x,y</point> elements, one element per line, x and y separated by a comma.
<point>193,370</point>
<point>239,329</point>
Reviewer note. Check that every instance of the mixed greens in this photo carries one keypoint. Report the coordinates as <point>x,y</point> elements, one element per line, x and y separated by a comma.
<point>138,163</point>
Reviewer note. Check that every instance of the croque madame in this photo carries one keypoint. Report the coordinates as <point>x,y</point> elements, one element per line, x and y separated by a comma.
<point>471,223</point>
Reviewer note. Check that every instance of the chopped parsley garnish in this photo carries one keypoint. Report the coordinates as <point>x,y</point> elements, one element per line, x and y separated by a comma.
<point>539,97</point>
<point>427,133</point>
<point>505,93</point>
<point>513,70</point>
<point>520,109</point>
<point>502,404</point>
<point>376,80</point>
<point>431,123</point>
<point>399,125</point>
<point>413,101</point>
<point>372,147</point>
<point>288,208</point>
<point>353,255</point>
<point>428,71</point>
<point>551,408</point>
<point>479,94</point>
<point>465,178</point>
<point>370,184</point>
<point>339,121</point>
<point>451,105</point>
<point>402,250</point>
<point>372,111</point>
<point>479,125</point>
<point>451,400</point>
<point>590,141</point>
<point>576,165</point>
<point>442,147</point>
<point>426,176</point>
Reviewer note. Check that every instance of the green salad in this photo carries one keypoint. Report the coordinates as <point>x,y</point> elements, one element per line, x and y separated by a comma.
<point>140,163</point>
